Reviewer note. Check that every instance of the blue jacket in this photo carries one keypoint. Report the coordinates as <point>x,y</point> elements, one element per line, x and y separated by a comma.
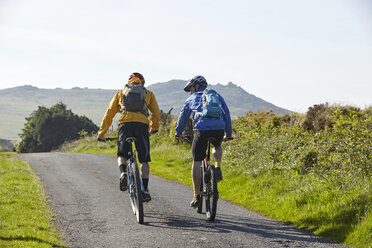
<point>193,105</point>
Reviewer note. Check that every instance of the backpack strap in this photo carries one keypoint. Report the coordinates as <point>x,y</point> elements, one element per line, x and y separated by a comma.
<point>146,106</point>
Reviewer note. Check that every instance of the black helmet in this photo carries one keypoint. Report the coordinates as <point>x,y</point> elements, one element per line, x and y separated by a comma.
<point>194,81</point>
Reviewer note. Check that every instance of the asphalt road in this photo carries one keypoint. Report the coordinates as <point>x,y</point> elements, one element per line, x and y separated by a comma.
<point>83,191</point>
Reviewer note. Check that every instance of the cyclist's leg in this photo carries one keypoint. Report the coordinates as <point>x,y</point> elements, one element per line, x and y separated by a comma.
<point>196,176</point>
<point>196,180</point>
<point>199,146</point>
<point>145,173</point>
<point>122,163</point>
<point>216,143</point>
<point>123,147</point>
<point>143,149</point>
<point>217,151</point>
<point>217,155</point>
<point>122,153</point>
<point>123,173</point>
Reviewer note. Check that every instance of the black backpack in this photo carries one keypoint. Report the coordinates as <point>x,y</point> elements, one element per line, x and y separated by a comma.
<point>134,99</point>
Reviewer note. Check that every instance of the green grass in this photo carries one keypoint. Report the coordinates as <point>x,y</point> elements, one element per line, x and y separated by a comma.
<point>172,162</point>
<point>305,203</point>
<point>90,145</point>
<point>25,217</point>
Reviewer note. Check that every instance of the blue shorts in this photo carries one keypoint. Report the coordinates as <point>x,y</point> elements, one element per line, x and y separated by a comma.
<point>141,132</point>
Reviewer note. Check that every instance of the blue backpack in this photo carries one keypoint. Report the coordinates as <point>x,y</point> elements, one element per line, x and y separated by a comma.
<point>211,104</point>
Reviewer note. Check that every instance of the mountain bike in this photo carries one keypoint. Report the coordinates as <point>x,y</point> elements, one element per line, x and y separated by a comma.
<point>135,185</point>
<point>208,186</point>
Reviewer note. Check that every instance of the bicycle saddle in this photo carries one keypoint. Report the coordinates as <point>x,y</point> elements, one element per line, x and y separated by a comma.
<point>130,139</point>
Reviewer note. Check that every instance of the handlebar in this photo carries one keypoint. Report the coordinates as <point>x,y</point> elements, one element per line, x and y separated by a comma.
<point>187,138</point>
<point>100,139</point>
<point>153,132</point>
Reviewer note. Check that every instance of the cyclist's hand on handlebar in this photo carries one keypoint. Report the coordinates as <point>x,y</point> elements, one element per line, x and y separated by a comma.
<point>180,136</point>
<point>153,132</point>
<point>101,139</point>
<point>227,138</point>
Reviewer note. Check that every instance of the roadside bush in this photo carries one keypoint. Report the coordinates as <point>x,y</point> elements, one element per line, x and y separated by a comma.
<point>6,145</point>
<point>165,122</point>
<point>317,118</point>
<point>342,145</point>
<point>47,129</point>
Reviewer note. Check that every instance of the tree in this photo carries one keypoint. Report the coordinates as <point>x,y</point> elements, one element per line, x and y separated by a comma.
<point>47,129</point>
<point>6,145</point>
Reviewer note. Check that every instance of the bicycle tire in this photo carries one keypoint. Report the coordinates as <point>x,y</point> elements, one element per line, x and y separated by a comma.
<point>212,195</point>
<point>131,185</point>
<point>132,199</point>
<point>136,198</point>
<point>200,206</point>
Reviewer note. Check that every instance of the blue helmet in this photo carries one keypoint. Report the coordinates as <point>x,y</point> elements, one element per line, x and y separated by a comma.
<point>194,81</point>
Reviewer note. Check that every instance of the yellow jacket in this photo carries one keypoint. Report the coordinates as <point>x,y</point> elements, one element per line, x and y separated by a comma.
<point>116,105</point>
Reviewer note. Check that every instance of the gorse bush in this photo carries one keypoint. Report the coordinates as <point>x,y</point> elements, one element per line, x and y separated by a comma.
<point>317,118</point>
<point>349,145</point>
<point>322,117</point>
<point>342,143</point>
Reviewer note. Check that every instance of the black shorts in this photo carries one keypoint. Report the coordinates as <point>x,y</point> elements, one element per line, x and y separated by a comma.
<point>200,142</point>
<point>141,132</point>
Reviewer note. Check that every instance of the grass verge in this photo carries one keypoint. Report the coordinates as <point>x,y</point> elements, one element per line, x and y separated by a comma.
<point>25,217</point>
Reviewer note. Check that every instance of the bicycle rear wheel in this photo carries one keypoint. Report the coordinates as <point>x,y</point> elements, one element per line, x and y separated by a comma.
<point>136,199</point>
<point>212,194</point>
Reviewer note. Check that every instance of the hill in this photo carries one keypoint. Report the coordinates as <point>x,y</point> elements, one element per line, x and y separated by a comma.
<point>18,103</point>
<point>170,94</point>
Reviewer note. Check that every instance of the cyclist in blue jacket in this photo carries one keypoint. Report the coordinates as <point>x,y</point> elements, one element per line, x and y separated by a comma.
<point>204,128</point>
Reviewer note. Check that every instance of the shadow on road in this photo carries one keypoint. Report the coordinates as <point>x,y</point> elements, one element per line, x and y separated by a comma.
<point>30,239</point>
<point>226,223</point>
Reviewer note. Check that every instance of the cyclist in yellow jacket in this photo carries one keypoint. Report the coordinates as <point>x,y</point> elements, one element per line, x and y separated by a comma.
<point>133,124</point>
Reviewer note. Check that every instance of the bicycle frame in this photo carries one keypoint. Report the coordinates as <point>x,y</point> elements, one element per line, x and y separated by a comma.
<point>130,173</point>
<point>132,158</point>
<point>135,183</point>
<point>204,166</point>
<point>208,187</point>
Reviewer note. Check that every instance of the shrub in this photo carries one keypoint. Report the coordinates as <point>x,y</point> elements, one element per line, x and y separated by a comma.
<point>47,129</point>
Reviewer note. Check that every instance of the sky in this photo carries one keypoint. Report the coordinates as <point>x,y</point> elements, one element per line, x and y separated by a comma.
<point>292,53</point>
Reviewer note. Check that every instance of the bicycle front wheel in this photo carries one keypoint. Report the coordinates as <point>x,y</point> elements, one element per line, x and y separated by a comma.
<point>136,197</point>
<point>212,194</point>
